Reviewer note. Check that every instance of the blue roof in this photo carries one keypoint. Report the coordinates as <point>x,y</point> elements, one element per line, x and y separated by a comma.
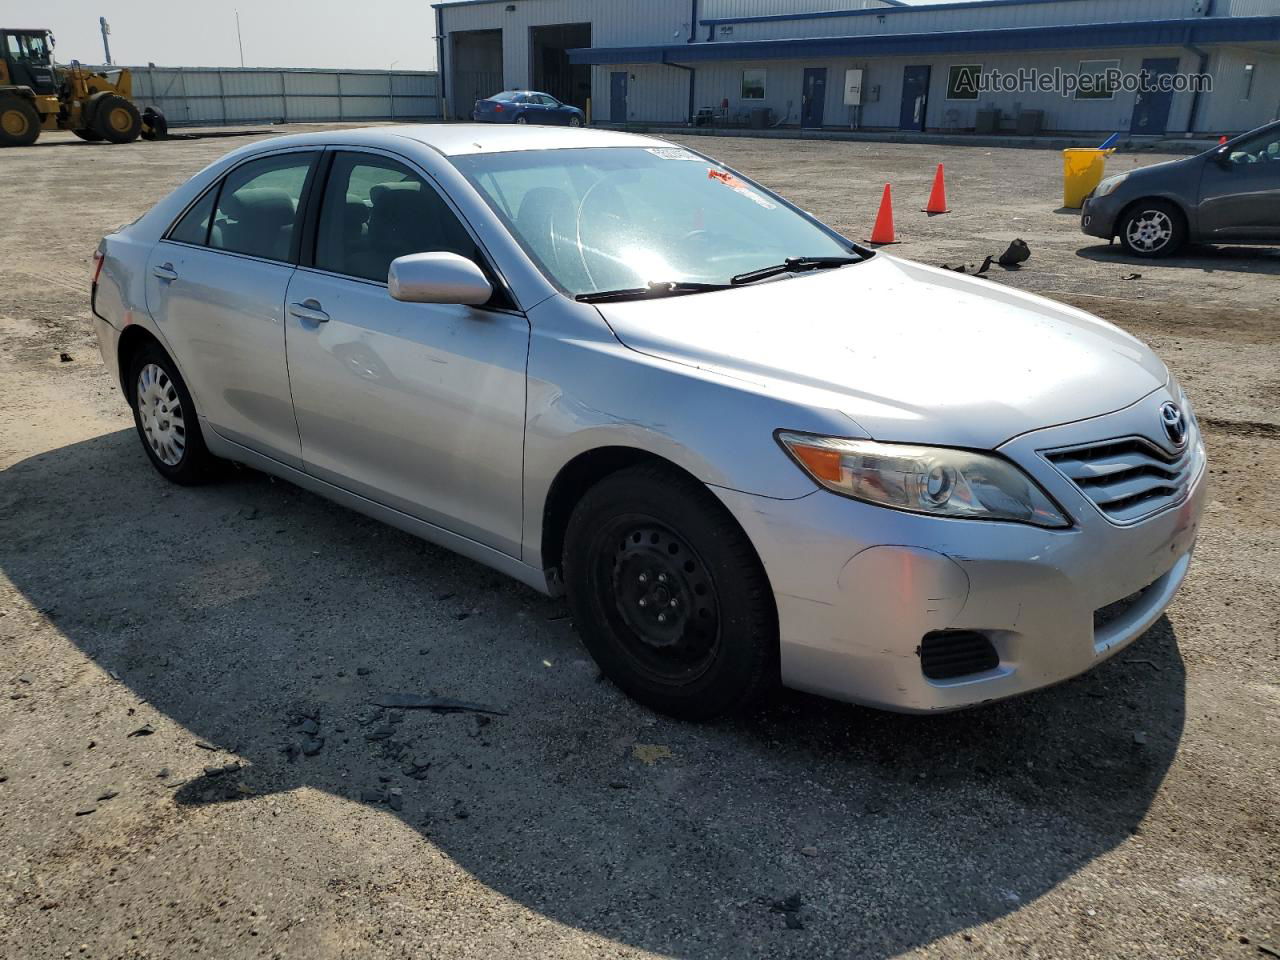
<point>1139,33</point>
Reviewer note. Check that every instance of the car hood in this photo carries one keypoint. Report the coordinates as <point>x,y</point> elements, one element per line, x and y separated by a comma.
<point>910,353</point>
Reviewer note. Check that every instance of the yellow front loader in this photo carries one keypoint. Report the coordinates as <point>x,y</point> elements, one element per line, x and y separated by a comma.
<point>36,95</point>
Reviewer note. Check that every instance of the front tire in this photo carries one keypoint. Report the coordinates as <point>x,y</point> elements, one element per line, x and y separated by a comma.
<point>165,417</point>
<point>1152,228</point>
<point>117,119</point>
<point>19,122</point>
<point>88,135</point>
<point>669,595</point>
<point>575,121</point>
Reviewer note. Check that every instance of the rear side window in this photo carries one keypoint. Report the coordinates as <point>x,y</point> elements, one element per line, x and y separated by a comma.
<point>258,207</point>
<point>375,210</point>
<point>194,226</point>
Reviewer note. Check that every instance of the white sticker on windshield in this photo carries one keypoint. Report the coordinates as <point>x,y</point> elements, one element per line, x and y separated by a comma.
<point>673,153</point>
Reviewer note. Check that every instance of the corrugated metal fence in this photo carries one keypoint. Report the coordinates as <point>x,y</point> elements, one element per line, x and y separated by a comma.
<point>213,95</point>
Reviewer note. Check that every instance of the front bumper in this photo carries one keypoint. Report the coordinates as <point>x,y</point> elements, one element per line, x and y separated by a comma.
<point>1098,217</point>
<point>858,587</point>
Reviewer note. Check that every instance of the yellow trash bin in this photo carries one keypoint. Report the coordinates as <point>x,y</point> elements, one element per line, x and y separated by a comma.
<point>1081,171</point>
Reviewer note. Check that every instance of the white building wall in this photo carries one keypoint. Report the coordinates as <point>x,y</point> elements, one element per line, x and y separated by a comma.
<point>926,20</point>
<point>1227,109</point>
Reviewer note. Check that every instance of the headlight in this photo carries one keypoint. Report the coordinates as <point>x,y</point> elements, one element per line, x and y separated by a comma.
<point>1109,184</point>
<point>933,480</point>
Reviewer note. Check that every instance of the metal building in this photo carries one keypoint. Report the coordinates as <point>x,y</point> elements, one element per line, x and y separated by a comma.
<point>1141,67</point>
<point>214,95</point>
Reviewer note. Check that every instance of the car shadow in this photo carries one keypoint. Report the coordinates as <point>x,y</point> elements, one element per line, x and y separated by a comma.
<point>1210,259</point>
<point>247,611</point>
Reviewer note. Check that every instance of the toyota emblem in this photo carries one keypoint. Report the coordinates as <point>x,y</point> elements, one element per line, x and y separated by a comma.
<point>1174,422</point>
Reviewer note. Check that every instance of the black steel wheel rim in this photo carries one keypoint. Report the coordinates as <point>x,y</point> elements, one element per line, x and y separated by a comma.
<point>660,599</point>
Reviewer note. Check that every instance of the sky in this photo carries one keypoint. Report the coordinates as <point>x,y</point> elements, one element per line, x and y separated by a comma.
<point>371,35</point>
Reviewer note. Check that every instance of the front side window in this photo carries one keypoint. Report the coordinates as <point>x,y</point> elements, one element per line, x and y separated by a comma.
<point>1262,148</point>
<point>753,83</point>
<point>376,209</point>
<point>962,81</point>
<point>614,218</point>
<point>258,207</point>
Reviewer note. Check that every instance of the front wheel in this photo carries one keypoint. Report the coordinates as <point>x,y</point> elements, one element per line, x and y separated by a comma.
<point>669,595</point>
<point>165,417</point>
<point>117,119</point>
<point>575,121</point>
<point>88,135</point>
<point>1152,228</point>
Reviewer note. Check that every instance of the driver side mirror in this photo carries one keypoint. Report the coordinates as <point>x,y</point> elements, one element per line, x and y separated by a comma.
<point>437,278</point>
<point>1223,158</point>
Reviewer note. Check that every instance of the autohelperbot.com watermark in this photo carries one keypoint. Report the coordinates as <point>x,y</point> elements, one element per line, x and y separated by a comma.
<point>1101,82</point>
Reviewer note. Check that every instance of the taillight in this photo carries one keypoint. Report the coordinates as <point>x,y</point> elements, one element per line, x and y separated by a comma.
<point>497,108</point>
<point>98,260</point>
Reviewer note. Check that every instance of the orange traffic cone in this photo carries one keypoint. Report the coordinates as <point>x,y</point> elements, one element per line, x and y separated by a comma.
<point>882,232</point>
<point>938,195</point>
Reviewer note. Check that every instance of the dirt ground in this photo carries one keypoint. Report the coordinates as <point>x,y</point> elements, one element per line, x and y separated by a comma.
<point>165,653</point>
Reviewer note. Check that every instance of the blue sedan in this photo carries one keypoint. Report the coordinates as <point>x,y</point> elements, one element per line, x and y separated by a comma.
<point>527,106</point>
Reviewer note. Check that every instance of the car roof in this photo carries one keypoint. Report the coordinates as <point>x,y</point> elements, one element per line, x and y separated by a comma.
<point>460,139</point>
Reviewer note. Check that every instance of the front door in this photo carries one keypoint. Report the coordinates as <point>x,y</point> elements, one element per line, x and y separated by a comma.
<point>216,286</point>
<point>814,97</point>
<point>618,96</point>
<point>416,406</point>
<point>915,97</point>
<point>1240,191</point>
<point>1151,108</point>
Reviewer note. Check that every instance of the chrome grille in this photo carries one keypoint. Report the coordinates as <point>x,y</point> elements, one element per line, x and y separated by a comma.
<point>1130,478</point>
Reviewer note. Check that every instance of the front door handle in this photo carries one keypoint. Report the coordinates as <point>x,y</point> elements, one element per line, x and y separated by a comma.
<point>308,310</point>
<point>165,271</point>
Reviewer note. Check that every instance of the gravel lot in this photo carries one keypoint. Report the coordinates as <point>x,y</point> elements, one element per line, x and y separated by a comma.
<point>167,653</point>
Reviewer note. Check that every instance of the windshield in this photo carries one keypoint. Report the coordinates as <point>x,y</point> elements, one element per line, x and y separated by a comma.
<point>622,217</point>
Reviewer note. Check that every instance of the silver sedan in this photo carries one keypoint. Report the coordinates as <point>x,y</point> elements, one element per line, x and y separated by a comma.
<point>749,450</point>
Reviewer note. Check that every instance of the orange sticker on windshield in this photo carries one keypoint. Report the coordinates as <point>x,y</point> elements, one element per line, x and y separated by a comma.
<point>738,187</point>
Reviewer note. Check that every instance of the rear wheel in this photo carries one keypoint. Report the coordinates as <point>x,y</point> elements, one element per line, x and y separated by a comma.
<point>1152,228</point>
<point>116,119</point>
<point>669,596</point>
<point>88,135</point>
<point>19,122</point>
<point>522,119</point>
<point>166,420</point>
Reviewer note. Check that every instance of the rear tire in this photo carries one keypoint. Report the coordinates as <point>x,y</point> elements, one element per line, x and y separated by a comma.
<point>116,119</point>
<point>165,417</point>
<point>88,135</point>
<point>19,122</point>
<point>522,119</point>
<point>669,595</point>
<point>1152,228</point>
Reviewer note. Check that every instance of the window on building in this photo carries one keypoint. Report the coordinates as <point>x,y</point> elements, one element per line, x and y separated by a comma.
<point>753,83</point>
<point>962,81</point>
<point>1248,81</point>
<point>1094,82</point>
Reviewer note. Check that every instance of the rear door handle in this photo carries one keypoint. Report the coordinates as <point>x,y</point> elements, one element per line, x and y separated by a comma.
<point>308,310</point>
<point>165,272</point>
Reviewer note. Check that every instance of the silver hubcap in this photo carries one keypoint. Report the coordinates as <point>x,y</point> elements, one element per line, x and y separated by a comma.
<point>1149,231</point>
<point>160,411</point>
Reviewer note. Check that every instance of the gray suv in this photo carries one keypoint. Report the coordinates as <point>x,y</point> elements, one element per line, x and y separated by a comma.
<point>1231,194</point>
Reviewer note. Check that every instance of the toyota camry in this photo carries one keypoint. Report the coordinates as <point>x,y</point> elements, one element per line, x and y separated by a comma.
<point>749,450</point>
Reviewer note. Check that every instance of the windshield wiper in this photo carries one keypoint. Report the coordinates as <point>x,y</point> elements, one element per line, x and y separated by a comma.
<point>793,265</point>
<point>667,288</point>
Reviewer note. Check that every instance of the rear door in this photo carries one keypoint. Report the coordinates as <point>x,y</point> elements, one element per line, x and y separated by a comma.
<point>1240,191</point>
<point>216,286</point>
<point>417,406</point>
